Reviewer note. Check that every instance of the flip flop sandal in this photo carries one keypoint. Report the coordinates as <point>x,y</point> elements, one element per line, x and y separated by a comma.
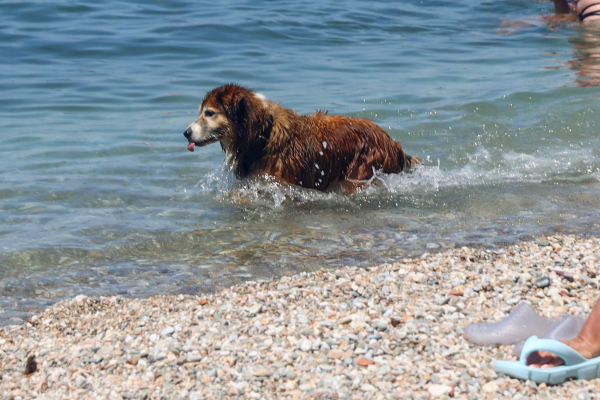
<point>576,366</point>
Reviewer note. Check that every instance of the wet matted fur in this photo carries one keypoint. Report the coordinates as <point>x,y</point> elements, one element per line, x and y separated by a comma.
<point>315,151</point>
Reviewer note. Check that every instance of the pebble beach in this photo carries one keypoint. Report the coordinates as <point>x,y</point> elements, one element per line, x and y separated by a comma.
<point>393,331</point>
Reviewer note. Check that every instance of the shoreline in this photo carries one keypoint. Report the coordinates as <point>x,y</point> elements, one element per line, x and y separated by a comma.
<point>389,331</point>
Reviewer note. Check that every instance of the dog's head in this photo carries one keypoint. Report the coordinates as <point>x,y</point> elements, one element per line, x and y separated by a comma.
<point>230,114</point>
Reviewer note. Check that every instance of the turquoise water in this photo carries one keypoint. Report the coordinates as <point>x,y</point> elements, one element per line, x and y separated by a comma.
<point>98,194</point>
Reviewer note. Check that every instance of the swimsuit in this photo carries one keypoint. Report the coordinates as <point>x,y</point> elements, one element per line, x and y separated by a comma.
<point>583,15</point>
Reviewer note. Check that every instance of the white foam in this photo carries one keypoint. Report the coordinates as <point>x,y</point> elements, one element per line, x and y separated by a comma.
<point>482,167</point>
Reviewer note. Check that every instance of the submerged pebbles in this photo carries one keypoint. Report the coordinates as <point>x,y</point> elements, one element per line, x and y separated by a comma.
<point>389,332</point>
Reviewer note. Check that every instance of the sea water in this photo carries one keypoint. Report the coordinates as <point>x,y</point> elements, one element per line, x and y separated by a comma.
<point>98,194</point>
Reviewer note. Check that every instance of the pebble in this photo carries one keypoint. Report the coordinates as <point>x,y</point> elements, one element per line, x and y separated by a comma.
<point>167,331</point>
<point>439,390</point>
<point>255,309</point>
<point>133,360</point>
<point>381,326</point>
<point>306,345</point>
<point>363,362</point>
<point>490,387</point>
<point>193,358</point>
<point>543,282</point>
<point>93,360</point>
<point>391,331</point>
<point>336,354</point>
<point>326,367</point>
<point>80,380</point>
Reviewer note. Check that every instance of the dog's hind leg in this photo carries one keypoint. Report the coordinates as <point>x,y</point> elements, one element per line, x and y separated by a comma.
<point>348,186</point>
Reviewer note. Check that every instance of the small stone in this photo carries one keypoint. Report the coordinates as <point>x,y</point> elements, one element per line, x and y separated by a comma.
<point>255,309</point>
<point>93,360</point>
<point>133,360</point>
<point>439,390</point>
<point>30,365</point>
<point>490,387</point>
<point>381,326</point>
<point>203,302</point>
<point>80,298</point>
<point>553,292</point>
<point>395,321</point>
<point>193,358</point>
<point>456,292</point>
<point>306,345</point>
<point>532,384</point>
<point>326,324</point>
<point>543,282</point>
<point>79,381</point>
<point>335,354</point>
<point>261,372</point>
<point>167,331</point>
<point>326,367</point>
<point>543,242</point>
<point>364,362</point>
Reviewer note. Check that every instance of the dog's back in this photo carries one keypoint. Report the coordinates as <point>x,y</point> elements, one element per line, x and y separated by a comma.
<point>317,150</point>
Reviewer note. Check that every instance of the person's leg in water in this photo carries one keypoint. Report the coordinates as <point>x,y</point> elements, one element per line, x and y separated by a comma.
<point>587,343</point>
<point>561,7</point>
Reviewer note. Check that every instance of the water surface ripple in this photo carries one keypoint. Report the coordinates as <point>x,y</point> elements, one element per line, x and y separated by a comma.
<point>98,194</point>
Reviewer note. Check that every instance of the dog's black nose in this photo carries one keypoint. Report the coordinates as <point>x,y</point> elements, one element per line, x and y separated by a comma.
<point>187,133</point>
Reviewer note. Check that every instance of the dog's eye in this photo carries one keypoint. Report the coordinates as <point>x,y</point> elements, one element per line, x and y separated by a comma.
<point>209,113</point>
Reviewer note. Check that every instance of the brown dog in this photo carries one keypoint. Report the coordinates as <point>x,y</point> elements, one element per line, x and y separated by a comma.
<point>314,151</point>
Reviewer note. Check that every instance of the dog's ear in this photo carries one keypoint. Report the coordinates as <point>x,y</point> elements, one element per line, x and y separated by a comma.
<point>236,108</point>
<point>241,111</point>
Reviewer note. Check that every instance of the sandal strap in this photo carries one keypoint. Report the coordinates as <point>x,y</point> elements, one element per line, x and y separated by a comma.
<point>568,354</point>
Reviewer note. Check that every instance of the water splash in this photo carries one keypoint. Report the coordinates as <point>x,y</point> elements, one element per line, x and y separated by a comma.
<point>484,167</point>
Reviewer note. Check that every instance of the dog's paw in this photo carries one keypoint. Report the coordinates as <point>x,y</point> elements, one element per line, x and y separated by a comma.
<point>237,196</point>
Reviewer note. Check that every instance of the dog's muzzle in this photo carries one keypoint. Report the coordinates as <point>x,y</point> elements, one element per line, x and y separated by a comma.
<point>188,135</point>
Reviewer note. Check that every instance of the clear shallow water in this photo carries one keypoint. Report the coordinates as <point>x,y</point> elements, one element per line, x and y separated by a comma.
<point>99,195</point>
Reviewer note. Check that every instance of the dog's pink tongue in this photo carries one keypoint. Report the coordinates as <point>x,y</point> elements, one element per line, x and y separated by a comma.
<point>191,146</point>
